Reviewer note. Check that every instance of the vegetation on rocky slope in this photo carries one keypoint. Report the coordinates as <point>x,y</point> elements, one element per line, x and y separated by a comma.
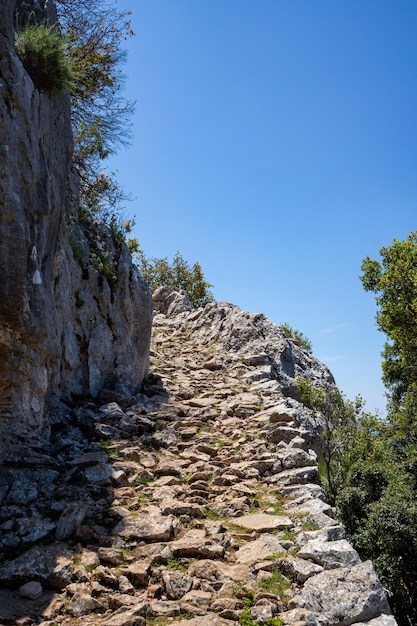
<point>178,274</point>
<point>370,462</point>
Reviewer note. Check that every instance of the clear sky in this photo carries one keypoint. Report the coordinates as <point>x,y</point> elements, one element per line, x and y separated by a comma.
<point>275,142</point>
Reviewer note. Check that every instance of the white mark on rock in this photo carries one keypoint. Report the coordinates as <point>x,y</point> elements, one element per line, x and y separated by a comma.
<point>37,278</point>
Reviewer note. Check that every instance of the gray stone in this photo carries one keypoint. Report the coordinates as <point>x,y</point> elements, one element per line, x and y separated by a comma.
<point>311,506</point>
<point>176,584</point>
<point>149,525</point>
<point>278,433</point>
<point>45,564</point>
<point>163,439</point>
<point>99,474</point>
<point>299,476</point>
<point>209,570</point>
<point>299,617</point>
<point>262,522</point>
<point>330,554</point>
<point>124,618</point>
<point>258,550</point>
<point>382,620</point>
<point>198,600</point>
<point>82,604</point>
<point>125,586</point>
<point>262,613</point>
<point>72,517</point>
<point>90,458</point>
<point>137,573</point>
<point>298,569</point>
<point>31,590</point>
<point>176,507</point>
<point>34,528</point>
<point>296,457</point>
<point>168,301</point>
<point>344,596</point>
<point>112,556</point>
<point>167,608</point>
<point>196,544</point>
<point>211,619</point>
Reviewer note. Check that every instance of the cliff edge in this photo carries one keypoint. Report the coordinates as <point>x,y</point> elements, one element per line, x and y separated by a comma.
<point>66,330</point>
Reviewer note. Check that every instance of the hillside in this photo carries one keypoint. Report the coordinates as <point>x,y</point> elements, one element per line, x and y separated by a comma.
<point>196,500</point>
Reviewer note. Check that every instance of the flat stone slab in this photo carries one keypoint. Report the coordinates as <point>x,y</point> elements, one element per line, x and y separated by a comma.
<point>258,550</point>
<point>330,554</point>
<point>262,522</point>
<point>196,544</point>
<point>148,525</point>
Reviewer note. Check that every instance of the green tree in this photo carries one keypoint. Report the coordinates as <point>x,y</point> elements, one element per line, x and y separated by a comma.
<point>376,503</point>
<point>394,282</point>
<point>377,499</point>
<point>370,476</point>
<point>336,420</point>
<point>297,336</point>
<point>179,274</point>
<point>100,114</point>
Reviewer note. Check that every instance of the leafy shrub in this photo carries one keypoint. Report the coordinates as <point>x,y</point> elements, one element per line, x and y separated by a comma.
<point>42,51</point>
<point>299,338</point>
<point>179,274</point>
<point>336,419</point>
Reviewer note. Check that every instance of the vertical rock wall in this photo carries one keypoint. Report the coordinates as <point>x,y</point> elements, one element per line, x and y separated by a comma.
<point>63,328</point>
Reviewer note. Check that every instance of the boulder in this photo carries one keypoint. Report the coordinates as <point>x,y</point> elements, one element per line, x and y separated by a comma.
<point>344,596</point>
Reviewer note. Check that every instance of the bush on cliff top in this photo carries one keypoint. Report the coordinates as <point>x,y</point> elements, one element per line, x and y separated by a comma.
<point>43,52</point>
<point>297,336</point>
<point>179,274</point>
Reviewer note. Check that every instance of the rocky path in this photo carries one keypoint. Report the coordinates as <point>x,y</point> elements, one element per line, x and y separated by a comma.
<point>195,503</point>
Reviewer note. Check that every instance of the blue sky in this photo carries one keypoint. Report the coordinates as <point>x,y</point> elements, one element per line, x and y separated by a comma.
<point>275,142</point>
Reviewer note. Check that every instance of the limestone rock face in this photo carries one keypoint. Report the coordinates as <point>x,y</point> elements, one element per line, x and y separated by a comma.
<point>62,324</point>
<point>261,346</point>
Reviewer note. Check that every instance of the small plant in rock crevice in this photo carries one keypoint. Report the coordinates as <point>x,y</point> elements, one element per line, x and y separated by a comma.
<point>276,584</point>
<point>212,515</point>
<point>298,337</point>
<point>174,565</point>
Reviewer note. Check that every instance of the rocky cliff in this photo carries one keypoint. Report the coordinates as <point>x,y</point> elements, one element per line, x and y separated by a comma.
<point>66,330</point>
<point>196,502</point>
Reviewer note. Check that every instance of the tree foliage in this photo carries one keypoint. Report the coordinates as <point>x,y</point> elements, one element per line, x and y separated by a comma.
<point>394,282</point>
<point>377,466</point>
<point>179,274</point>
<point>370,476</point>
<point>336,419</point>
<point>100,114</point>
<point>376,503</point>
<point>297,336</point>
<point>43,53</point>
